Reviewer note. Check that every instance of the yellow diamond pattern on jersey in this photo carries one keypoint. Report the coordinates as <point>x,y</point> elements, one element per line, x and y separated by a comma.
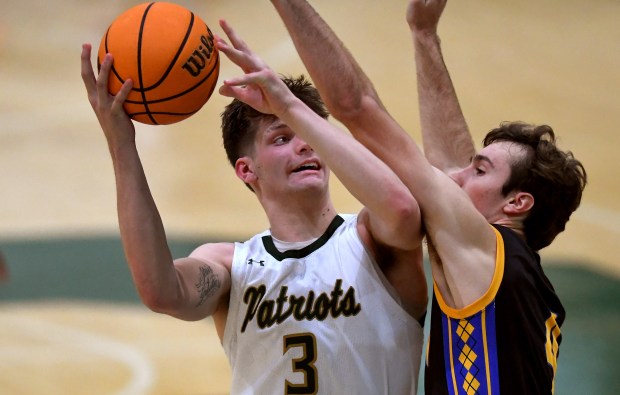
<point>467,357</point>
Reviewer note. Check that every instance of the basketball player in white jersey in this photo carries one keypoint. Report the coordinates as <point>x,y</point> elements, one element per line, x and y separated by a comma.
<point>320,303</point>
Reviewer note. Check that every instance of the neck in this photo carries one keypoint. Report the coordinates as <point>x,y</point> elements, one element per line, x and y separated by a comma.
<point>297,222</point>
<point>514,224</point>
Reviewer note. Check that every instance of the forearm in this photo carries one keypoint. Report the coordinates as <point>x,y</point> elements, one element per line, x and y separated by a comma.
<point>142,231</point>
<point>345,88</point>
<point>446,139</point>
<point>334,71</point>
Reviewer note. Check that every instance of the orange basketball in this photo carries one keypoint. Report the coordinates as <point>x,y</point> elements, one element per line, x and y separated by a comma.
<point>169,54</point>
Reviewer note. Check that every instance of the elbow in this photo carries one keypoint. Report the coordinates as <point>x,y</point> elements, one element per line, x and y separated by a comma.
<point>160,302</point>
<point>405,207</point>
<point>407,220</point>
<point>411,219</point>
<point>353,109</point>
<point>344,109</point>
<point>403,203</point>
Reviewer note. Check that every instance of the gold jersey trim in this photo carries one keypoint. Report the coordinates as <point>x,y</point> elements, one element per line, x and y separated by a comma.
<point>488,296</point>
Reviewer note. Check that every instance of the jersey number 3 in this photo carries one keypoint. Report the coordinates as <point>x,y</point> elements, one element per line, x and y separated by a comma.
<point>304,364</point>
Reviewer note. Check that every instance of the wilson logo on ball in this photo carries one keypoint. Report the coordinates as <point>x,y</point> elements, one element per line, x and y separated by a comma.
<point>200,57</point>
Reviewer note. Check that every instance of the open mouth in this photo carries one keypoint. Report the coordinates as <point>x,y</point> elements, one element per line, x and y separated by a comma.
<point>307,166</point>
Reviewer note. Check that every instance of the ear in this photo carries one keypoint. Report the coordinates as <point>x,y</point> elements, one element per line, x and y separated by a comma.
<point>519,204</point>
<point>244,168</point>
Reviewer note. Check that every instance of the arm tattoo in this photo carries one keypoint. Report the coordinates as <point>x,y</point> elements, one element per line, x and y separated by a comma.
<point>208,284</point>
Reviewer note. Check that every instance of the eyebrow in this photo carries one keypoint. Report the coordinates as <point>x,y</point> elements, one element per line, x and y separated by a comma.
<point>483,158</point>
<point>276,125</point>
<point>269,126</point>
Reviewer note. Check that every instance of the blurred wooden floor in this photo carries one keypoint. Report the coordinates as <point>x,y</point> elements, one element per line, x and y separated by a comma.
<point>553,62</point>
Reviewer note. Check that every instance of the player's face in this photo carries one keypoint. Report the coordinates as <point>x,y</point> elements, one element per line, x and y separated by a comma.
<point>485,176</point>
<point>284,162</point>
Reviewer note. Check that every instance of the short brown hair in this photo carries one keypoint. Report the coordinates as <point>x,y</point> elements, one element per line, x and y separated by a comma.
<point>554,178</point>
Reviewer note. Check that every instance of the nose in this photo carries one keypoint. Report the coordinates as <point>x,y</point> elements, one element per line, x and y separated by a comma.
<point>302,146</point>
<point>457,176</point>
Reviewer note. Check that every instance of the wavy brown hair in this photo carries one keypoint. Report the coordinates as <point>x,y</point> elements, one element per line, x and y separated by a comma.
<point>554,178</point>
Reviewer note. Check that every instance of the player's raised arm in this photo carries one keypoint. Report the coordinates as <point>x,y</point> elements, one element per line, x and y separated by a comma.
<point>348,92</point>
<point>161,286</point>
<point>446,139</point>
<point>344,86</point>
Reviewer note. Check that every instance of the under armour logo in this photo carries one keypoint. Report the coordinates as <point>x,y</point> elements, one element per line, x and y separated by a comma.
<point>252,261</point>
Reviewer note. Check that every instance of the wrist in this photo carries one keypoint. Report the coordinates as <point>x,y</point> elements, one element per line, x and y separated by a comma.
<point>291,108</point>
<point>120,149</point>
<point>426,37</point>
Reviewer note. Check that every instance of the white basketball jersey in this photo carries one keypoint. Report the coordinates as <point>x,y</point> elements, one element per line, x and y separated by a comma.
<point>319,320</point>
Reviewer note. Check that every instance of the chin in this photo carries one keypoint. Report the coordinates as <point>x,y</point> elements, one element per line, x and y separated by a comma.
<point>310,185</point>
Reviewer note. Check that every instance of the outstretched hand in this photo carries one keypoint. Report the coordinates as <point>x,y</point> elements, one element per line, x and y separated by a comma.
<point>260,87</point>
<point>108,108</point>
<point>423,15</point>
